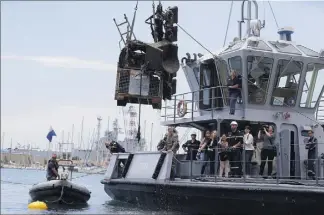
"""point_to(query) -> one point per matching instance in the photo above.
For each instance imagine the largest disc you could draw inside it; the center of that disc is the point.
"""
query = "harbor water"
(15, 184)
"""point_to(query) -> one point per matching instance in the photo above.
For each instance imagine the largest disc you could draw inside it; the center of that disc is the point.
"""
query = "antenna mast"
(98, 145)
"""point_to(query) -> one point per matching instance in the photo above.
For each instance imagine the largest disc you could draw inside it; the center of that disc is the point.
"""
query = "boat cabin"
(280, 85)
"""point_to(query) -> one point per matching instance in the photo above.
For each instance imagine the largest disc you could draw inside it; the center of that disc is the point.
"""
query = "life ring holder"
(182, 108)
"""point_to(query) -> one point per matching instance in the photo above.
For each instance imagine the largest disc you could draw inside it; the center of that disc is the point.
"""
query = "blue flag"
(50, 135)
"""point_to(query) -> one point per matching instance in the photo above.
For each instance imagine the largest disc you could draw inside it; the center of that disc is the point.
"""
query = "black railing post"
(278, 159)
(317, 164)
(192, 105)
(213, 102)
(244, 163)
(175, 108)
(191, 153)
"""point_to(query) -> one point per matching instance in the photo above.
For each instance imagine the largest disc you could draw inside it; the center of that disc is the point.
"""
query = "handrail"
(189, 97)
(317, 179)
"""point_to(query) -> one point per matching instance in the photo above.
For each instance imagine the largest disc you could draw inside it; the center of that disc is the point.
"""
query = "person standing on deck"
(211, 150)
(248, 150)
(202, 154)
(191, 147)
(223, 156)
(311, 145)
(235, 140)
(52, 169)
(170, 143)
(269, 148)
(234, 84)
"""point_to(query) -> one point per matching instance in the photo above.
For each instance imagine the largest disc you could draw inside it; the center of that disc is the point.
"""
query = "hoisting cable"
(273, 14)
(228, 22)
(284, 104)
(195, 39)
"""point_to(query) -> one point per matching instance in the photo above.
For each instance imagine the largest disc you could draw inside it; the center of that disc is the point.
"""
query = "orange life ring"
(182, 108)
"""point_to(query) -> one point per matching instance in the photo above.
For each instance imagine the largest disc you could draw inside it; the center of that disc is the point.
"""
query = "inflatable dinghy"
(60, 191)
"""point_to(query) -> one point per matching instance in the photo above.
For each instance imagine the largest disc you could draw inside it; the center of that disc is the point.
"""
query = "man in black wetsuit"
(191, 147)
(115, 147)
(235, 140)
(311, 145)
(52, 169)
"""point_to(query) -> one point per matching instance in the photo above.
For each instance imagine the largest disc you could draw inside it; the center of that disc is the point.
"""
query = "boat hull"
(59, 191)
(200, 198)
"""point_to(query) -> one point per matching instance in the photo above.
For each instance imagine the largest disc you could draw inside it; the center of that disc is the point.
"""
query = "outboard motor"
(146, 72)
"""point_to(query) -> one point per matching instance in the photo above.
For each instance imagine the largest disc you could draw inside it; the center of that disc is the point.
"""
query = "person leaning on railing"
(311, 145)
(169, 143)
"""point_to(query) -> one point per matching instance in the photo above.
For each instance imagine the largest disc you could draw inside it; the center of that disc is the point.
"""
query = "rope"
(60, 199)
(273, 14)
(228, 22)
(284, 104)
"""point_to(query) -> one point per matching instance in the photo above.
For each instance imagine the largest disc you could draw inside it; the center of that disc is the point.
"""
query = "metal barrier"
(193, 102)
(300, 172)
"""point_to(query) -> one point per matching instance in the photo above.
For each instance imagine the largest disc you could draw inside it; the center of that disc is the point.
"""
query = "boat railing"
(190, 104)
(283, 170)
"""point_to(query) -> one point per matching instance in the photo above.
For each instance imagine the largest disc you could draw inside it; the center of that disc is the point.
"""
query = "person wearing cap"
(191, 147)
(234, 85)
(235, 140)
(52, 169)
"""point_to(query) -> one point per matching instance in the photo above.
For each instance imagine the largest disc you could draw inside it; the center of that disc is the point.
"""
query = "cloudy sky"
(58, 59)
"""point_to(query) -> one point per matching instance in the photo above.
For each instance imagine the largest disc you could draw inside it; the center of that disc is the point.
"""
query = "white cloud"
(64, 62)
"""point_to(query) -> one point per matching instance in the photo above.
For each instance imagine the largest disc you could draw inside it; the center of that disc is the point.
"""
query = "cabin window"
(223, 76)
(234, 47)
(312, 86)
(259, 70)
(235, 63)
(285, 48)
(286, 83)
(206, 78)
(258, 45)
(308, 51)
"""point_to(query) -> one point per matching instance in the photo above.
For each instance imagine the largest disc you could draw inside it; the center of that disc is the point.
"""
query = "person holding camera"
(191, 147)
(202, 154)
(269, 150)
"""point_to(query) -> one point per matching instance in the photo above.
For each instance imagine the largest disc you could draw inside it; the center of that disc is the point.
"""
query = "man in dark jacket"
(235, 139)
(191, 147)
(234, 89)
(52, 169)
(114, 147)
(311, 145)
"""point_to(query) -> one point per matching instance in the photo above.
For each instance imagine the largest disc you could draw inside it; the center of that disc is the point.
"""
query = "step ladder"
(125, 36)
(320, 110)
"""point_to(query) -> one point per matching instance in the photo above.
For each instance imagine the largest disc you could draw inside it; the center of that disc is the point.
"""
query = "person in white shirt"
(248, 149)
